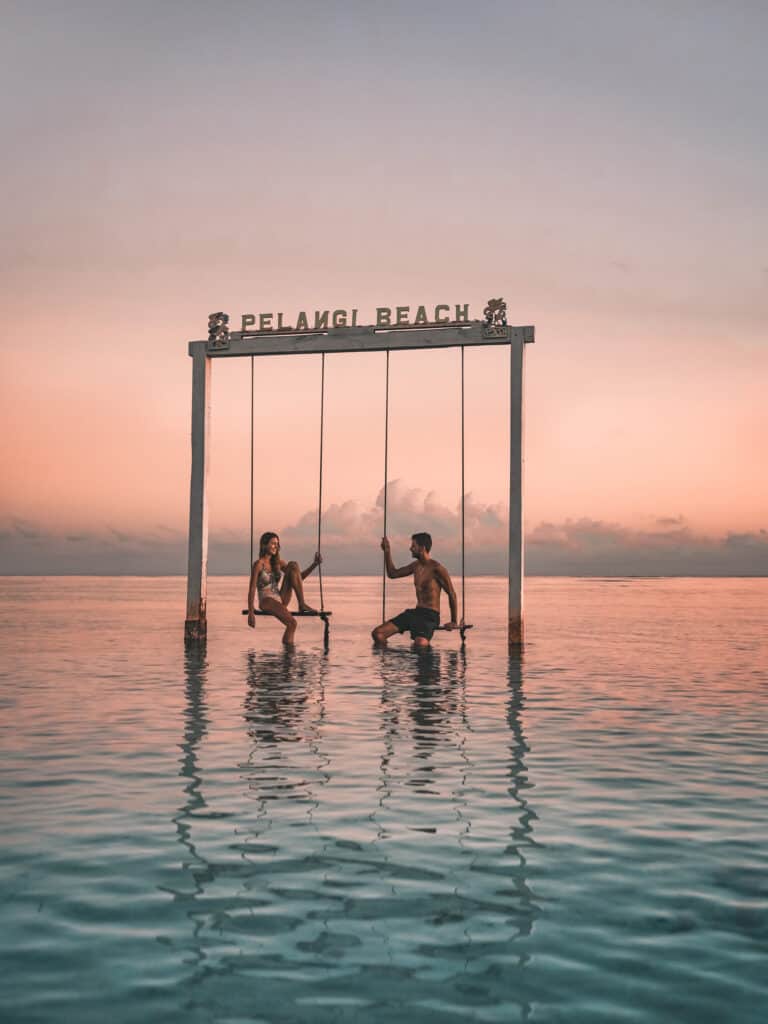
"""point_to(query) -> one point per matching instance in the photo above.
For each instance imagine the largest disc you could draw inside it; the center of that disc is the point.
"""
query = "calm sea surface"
(245, 834)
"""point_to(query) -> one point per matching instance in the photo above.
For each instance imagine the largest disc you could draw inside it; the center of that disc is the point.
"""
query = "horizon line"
(369, 576)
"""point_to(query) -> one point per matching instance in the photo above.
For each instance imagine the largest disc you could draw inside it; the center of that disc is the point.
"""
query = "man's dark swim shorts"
(420, 621)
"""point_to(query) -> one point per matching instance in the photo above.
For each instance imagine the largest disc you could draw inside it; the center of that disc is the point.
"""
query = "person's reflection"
(284, 708)
(422, 697)
(433, 709)
(435, 714)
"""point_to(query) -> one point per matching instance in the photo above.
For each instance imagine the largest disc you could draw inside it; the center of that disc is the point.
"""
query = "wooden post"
(195, 627)
(516, 541)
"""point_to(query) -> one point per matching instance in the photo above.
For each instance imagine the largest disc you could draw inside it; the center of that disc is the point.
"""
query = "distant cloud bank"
(351, 534)
(587, 547)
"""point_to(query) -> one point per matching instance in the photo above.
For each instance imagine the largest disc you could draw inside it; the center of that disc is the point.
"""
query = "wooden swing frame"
(223, 344)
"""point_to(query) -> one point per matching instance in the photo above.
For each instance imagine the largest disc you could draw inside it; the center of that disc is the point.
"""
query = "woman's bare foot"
(305, 609)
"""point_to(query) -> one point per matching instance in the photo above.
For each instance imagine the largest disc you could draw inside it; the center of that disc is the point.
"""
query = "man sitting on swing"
(429, 578)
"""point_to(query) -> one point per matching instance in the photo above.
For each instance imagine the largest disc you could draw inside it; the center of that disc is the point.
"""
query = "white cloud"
(351, 532)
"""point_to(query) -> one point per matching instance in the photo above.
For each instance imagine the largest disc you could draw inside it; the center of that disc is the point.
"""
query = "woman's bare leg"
(278, 609)
(293, 583)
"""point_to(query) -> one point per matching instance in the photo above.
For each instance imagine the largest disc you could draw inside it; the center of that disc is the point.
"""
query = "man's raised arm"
(392, 571)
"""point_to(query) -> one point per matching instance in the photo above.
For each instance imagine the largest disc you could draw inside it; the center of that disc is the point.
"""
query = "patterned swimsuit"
(267, 585)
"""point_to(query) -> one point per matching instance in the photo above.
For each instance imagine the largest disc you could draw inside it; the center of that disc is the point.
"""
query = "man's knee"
(420, 641)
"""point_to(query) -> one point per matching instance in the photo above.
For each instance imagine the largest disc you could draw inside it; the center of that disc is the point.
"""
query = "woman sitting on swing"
(274, 597)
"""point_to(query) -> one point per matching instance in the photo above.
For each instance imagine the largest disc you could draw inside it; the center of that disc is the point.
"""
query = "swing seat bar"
(461, 630)
(325, 616)
(297, 615)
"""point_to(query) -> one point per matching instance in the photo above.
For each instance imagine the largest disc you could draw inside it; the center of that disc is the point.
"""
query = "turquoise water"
(243, 834)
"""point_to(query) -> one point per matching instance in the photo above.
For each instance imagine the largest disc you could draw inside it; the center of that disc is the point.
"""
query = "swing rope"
(463, 616)
(320, 483)
(250, 562)
(386, 470)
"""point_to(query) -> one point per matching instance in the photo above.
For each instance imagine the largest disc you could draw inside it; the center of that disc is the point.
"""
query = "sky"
(600, 165)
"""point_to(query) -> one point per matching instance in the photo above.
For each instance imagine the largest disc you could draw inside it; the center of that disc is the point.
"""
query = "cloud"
(24, 528)
(38, 551)
(351, 532)
(588, 547)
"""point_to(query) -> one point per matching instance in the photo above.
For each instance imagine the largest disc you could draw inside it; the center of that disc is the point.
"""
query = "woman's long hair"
(274, 559)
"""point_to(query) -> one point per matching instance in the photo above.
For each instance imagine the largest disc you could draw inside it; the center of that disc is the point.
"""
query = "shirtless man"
(429, 578)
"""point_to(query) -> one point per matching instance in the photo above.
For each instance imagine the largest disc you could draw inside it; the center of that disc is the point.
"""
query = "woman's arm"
(252, 593)
(313, 565)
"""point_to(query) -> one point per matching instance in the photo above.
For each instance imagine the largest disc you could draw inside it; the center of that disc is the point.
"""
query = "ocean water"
(242, 833)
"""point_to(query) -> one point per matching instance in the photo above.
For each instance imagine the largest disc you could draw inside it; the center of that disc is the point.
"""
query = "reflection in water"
(195, 729)
(303, 889)
(418, 910)
(284, 701)
(521, 833)
(471, 795)
(429, 687)
(284, 707)
(436, 701)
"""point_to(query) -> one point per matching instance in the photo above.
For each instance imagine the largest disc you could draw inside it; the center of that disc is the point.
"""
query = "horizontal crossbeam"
(360, 339)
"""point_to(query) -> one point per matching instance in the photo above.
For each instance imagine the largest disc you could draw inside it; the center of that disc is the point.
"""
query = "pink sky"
(602, 170)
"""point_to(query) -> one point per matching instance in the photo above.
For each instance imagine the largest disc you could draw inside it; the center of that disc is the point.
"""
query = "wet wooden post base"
(196, 623)
(515, 630)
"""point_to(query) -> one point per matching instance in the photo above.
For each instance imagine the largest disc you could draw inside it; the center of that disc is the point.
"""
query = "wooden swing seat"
(296, 615)
(325, 616)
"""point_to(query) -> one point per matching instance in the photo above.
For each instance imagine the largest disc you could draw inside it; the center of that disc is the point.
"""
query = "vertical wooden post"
(515, 630)
(196, 624)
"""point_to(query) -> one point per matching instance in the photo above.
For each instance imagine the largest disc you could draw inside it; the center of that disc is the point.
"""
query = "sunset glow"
(618, 205)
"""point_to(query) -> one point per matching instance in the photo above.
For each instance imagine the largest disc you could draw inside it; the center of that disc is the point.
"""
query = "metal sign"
(253, 324)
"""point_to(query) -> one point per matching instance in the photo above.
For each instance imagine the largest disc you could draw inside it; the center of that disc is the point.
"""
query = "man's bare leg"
(383, 632)
(293, 583)
(421, 642)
